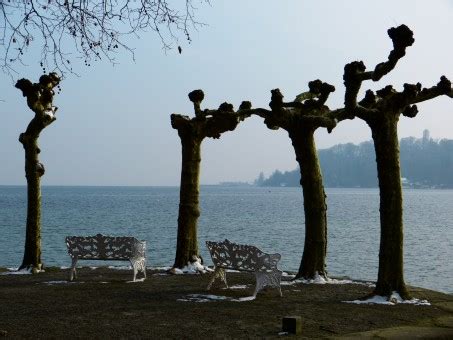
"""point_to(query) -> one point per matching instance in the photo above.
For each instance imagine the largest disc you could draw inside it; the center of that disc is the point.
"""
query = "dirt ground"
(103, 304)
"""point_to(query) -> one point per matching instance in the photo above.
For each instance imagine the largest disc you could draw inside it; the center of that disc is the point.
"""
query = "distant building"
(426, 137)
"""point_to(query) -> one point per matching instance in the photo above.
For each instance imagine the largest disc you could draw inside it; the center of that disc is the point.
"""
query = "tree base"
(311, 276)
(34, 269)
(402, 292)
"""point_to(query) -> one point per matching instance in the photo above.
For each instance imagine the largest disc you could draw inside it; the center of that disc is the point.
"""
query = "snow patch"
(51, 283)
(194, 267)
(210, 298)
(237, 287)
(394, 299)
(290, 276)
(50, 112)
(14, 271)
(137, 280)
(321, 280)
(161, 274)
(120, 267)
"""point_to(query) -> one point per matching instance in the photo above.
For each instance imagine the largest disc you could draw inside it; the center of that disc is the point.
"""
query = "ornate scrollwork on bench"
(100, 247)
(228, 255)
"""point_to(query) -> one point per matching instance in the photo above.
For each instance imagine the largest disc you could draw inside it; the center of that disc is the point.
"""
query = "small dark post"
(292, 324)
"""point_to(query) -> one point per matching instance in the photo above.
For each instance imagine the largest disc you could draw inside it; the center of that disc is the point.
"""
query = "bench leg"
(264, 279)
(218, 273)
(72, 271)
(138, 265)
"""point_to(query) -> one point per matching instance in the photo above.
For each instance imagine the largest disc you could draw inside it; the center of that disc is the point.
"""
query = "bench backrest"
(241, 257)
(100, 247)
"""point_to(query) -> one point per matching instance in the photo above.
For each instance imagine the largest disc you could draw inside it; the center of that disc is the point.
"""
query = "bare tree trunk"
(206, 123)
(33, 172)
(391, 273)
(40, 101)
(315, 247)
(189, 211)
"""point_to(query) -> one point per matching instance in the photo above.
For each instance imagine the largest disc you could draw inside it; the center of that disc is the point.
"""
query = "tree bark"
(189, 210)
(315, 247)
(391, 272)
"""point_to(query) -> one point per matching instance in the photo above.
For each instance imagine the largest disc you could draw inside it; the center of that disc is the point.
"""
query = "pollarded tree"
(91, 29)
(94, 30)
(192, 131)
(40, 101)
(381, 111)
(301, 118)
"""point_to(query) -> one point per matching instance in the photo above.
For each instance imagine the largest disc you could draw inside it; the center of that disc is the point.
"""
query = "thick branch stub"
(352, 82)
(177, 120)
(196, 97)
(226, 107)
(402, 37)
(207, 122)
(444, 85)
(354, 72)
(410, 111)
(276, 99)
(321, 90)
(25, 85)
(40, 96)
(245, 105)
(308, 109)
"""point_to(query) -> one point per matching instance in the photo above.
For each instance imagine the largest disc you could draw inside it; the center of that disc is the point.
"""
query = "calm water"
(271, 218)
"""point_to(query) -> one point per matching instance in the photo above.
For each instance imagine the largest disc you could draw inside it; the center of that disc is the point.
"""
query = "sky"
(113, 122)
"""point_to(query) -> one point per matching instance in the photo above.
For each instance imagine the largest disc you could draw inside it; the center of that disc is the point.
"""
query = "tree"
(192, 131)
(300, 119)
(40, 101)
(95, 30)
(381, 111)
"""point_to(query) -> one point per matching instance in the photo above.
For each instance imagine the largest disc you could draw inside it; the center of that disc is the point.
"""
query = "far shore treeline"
(425, 163)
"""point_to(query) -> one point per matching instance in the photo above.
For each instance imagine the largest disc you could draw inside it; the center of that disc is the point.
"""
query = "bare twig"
(96, 30)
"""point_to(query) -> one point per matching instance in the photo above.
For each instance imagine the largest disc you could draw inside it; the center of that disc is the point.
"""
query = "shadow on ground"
(103, 303)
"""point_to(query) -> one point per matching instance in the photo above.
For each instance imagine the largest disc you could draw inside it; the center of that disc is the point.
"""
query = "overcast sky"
(113, 125)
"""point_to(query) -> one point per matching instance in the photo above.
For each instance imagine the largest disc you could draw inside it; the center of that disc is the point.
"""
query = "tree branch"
(208, 122)
(354, 72)
(443, 87)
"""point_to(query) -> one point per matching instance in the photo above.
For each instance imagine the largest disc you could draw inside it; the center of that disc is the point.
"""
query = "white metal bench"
(100, 247)
(228, 255)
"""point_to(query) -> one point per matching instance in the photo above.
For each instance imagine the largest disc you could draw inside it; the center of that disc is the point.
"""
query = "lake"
(270, 218)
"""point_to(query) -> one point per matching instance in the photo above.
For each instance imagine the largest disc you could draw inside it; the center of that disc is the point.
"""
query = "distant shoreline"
(203, 185)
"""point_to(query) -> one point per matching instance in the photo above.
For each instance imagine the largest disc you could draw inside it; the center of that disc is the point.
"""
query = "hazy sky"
(113, 125)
